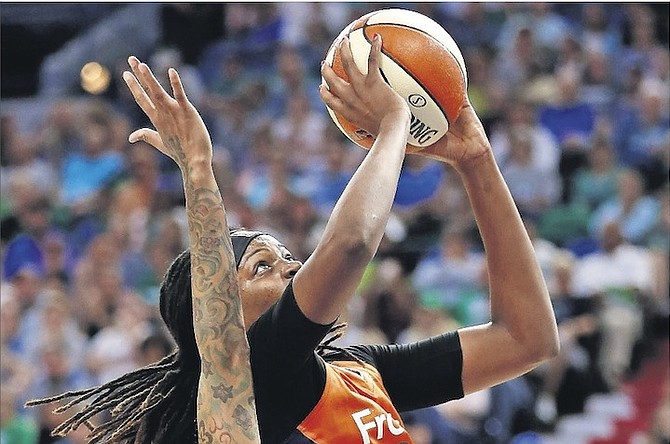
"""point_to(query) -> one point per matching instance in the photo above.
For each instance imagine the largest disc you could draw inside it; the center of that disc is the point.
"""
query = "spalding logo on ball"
(420, 61)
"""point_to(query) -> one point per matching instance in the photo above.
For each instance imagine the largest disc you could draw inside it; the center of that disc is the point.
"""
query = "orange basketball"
(420, 61)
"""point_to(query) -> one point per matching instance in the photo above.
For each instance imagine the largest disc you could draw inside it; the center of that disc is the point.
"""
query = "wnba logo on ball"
(417, 100)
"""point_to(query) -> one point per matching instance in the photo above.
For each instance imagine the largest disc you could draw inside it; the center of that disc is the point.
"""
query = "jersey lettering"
(376, 422)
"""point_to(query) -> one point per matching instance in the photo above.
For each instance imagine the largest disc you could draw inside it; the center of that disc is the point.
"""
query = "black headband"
(241, 240)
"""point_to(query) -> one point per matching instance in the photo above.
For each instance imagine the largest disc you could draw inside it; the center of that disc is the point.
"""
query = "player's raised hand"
(179, 130)
(464, 142)
(362, 99)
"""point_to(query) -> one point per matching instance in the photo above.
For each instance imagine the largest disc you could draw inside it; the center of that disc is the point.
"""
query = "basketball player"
(307, 391)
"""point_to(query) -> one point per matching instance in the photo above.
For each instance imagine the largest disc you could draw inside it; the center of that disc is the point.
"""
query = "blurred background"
(575, 98)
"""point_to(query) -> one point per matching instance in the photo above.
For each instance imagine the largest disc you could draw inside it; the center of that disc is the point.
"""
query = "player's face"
(264, 272)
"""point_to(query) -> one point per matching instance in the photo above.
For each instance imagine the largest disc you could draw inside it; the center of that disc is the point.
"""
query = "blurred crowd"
(574, 97)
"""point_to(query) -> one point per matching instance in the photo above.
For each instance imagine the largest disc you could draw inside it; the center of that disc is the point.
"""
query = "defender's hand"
(180, 132)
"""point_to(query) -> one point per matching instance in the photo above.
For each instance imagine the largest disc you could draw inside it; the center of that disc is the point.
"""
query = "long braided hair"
(156, 403)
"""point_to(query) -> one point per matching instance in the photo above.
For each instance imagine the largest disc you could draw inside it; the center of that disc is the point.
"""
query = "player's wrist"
(197, 170)
(394, 119)
(479, 164)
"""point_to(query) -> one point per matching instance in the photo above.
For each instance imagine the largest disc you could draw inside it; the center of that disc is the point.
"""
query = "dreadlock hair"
(156, 403)
(331, 352)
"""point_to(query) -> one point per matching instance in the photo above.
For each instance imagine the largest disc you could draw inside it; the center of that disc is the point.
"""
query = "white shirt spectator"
(627, 266)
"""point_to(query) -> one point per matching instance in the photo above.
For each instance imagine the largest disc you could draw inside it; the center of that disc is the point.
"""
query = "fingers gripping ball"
(420, 61)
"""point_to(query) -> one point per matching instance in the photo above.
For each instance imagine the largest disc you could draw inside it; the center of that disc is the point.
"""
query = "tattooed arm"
(226, 407)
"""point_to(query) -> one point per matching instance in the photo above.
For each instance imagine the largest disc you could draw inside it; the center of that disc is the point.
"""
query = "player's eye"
(261, 267)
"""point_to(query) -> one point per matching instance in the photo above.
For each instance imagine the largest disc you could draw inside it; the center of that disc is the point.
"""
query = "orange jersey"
(354, 408)
(302, 398)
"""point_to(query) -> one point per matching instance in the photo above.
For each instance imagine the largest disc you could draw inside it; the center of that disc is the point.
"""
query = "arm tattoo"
(226, 409)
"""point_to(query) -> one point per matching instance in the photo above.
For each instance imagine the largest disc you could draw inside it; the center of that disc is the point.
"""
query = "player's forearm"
(363, 209)
(215, 294)
(519, 298)
(354, 230)
(226, 411)
(226, 406)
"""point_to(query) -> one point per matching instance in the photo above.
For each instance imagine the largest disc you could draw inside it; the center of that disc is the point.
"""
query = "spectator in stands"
(86, 173)
(327, 186)
(534, 189)
(389, 301)
(151, 264)
(26, 283)
(647, 145)
(265, 182)
(658, 242)
(59, 133)
(640, 38)
(154, 347)
(136, 198)
(10, 319)
(481, 87)
(570, 56)
(112, 351)
(453, 202)
(57, 263)
(658, 75)
(597, 31)
(251, 180)
(476, 25)
(453, 277)
(570, 120)
(16, 373)
(635, 211)
(620, 275)
(233, 126)
(23, 164)
(29, 232)
(295, 219)
(420, 180)
(290, 79)
(227, 81)
(547, 27)
(56, 373)
(517, 65)
(522, 116)
(15, 428)
(303, 130)
(596, 183)
(659, 235)
(98, 285)
(310, 27)
(598, 88)
(566, 381)
(56, 323)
